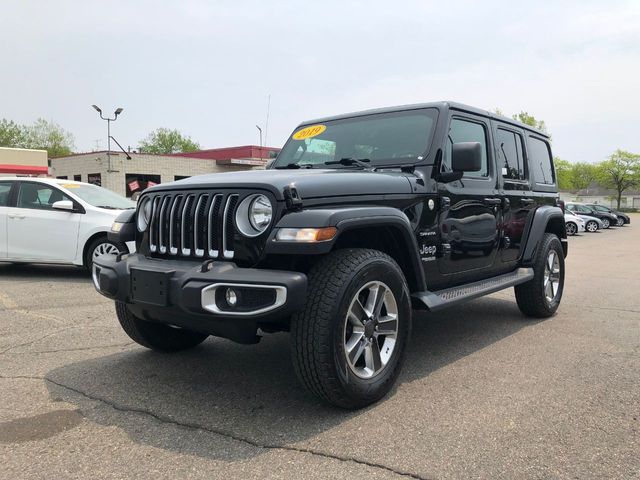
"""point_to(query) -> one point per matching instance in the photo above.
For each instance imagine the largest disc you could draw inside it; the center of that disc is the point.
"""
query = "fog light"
(231, 297)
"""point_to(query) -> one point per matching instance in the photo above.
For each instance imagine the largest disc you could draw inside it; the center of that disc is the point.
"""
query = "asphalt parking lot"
(484, 393)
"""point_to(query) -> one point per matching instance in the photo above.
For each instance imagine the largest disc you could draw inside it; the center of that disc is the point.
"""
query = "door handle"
(493, 201)
(526, 201)
(15, 215)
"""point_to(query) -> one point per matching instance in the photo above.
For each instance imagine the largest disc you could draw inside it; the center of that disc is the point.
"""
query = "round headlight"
(144, 214)
(254, 215)
(260, 213)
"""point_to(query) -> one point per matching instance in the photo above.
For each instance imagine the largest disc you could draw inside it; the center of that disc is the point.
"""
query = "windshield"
(397, 138)
(98, 196)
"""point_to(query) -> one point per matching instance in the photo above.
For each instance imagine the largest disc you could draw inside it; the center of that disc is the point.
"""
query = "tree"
(11, 134)
(527, 119)
(620, 172)
(49, 136)
(165, 141)
(583, 174)
(564, 170)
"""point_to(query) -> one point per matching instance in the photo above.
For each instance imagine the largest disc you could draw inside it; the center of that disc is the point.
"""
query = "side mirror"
(63, 205)
(269, 163)
(466, 157)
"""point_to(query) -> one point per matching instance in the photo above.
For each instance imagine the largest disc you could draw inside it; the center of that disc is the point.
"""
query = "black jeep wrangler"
(361, 219)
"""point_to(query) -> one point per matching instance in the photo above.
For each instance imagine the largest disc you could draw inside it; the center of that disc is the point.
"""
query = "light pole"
(260, 130)
(109, 120)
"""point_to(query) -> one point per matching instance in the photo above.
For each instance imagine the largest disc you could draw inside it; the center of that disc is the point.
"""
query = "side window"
(510, 154)
(39, 196)
(540, 160)
(466, 131)
(5, 189)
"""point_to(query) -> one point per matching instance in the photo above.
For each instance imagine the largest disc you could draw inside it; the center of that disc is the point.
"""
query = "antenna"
(97, 140)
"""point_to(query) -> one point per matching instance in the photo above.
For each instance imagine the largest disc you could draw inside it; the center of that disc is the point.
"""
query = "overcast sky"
(207, 67)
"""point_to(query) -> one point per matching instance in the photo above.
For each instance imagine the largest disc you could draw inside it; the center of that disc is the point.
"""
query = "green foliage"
(582, 175)
(165, 141)
(621, 171)
(11, 134)
(41, 135)
(49, 136)
(563, 173)
(530, 120)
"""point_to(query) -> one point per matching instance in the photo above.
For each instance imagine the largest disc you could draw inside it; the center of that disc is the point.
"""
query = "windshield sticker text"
(309, 132)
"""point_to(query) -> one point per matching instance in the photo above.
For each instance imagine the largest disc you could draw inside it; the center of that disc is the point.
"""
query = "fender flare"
(346, 219)
(537, 227)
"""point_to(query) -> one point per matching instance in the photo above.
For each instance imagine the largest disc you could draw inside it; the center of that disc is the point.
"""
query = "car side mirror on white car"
(63, 205)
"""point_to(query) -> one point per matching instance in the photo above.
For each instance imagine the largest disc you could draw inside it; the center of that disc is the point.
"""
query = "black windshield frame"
(347, 135)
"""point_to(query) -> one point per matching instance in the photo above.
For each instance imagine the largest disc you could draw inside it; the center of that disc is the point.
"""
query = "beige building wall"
(165, 166)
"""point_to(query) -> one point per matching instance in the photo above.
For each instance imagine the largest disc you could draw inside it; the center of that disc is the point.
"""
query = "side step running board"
(452, 296)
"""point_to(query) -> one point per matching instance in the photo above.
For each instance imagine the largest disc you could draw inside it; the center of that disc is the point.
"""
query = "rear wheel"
(156, 336)
(591, 226)
(348, 342)
(606, 223)
(540, 297)
(572, 228)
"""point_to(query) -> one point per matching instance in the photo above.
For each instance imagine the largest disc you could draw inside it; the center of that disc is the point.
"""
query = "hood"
(310, 183)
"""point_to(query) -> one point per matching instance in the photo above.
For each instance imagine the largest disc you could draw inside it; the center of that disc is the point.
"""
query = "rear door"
(468, 220)
(38, 232)
(5, 194)
(513, 173)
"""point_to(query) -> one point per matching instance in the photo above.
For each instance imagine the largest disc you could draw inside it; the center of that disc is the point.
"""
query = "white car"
(573, 223)
(44, 220)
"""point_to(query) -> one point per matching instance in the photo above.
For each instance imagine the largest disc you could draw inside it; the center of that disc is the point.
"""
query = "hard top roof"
(443, 105)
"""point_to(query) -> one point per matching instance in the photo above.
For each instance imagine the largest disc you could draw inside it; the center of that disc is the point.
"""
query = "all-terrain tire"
(317, 331)
(156, 336)
(530, 296)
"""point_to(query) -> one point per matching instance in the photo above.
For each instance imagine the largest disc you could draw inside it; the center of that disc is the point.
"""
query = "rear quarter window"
(540, 161)
(5, 189)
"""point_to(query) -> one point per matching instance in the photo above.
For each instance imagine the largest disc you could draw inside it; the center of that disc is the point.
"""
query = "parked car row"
(589, 217)
(46, 220)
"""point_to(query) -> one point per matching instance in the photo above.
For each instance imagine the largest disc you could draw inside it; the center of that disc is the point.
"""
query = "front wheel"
(101, 246)
(348, 342)
(572, 228)
(156, 336)
(620, 222)
(540, 297)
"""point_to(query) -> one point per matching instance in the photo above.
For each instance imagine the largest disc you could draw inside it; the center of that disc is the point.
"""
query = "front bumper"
(191, 294)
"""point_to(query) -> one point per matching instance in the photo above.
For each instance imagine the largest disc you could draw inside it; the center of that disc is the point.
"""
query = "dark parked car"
(623, 218)
(582, 210)
(361, 218)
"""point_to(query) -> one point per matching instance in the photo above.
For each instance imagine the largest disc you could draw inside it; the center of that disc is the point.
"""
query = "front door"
(38, 232)
(5, 191)
(469, 208)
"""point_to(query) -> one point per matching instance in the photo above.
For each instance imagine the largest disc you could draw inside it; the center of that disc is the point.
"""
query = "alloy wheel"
(552, 276)
(370, 329)
(620, 221)
(571, 229)
(105, 249)
(605, 223)
(592, 226)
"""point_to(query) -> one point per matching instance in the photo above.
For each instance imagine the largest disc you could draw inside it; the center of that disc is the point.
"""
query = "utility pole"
(109, 120)
(260, 130)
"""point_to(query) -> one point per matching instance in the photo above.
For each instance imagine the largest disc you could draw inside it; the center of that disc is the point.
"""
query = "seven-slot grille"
(193, 224)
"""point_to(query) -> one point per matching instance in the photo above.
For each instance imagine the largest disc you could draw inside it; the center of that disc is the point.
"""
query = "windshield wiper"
(291, 166)
(348, 161)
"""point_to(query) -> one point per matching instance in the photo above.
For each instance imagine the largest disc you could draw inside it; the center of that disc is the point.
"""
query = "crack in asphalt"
(79, 349)
(194, 426)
